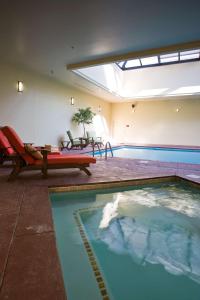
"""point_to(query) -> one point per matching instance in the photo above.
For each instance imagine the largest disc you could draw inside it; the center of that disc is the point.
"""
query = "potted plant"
(83, 116)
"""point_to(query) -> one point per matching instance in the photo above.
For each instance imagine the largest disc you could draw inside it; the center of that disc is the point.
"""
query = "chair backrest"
(70, 135)
(91, 134)
(17, 144)
(5, 146)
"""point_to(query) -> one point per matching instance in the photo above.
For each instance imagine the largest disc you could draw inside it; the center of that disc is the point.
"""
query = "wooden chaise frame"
(20, 166)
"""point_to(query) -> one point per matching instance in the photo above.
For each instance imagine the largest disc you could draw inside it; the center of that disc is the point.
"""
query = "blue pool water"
(139, 243)
(161, 154)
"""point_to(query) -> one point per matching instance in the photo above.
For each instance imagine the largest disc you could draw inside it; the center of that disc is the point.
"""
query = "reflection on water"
(158, 226)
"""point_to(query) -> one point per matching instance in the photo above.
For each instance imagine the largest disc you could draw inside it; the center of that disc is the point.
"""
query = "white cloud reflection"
(156, 229)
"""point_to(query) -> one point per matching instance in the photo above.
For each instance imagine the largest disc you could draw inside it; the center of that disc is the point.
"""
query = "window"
(133, 63)
(188, 55)
(169, 58)
(147, 61)
(160, 60)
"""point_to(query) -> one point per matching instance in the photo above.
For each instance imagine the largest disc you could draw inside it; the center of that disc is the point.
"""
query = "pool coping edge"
(122, 183)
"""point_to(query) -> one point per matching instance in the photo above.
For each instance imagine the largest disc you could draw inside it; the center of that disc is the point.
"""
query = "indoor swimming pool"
(155, 153)
(129, 243)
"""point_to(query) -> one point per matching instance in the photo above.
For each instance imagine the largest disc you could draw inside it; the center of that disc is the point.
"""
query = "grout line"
(21, 195)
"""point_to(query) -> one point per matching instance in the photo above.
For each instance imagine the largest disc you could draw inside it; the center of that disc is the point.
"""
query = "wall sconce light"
(72, 100)
(177, 109)
(20, 86)
(133, 107)
(99, 109)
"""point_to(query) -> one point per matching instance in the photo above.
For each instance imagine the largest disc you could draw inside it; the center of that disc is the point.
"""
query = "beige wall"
(42, 113)
(157, 122)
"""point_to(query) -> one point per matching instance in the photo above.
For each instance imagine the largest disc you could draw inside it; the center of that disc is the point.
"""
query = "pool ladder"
(107, 147)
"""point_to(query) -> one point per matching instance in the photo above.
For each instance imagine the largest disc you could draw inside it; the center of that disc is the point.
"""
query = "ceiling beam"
(134, 54)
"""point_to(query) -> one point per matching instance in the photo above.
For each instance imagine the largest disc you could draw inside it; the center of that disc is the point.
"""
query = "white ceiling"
(47, 35)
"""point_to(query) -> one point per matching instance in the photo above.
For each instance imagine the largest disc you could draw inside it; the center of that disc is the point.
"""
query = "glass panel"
(190, 51)
(185, 55)
(153, 60)
(166, 58)
(133, 63)
(120, 64)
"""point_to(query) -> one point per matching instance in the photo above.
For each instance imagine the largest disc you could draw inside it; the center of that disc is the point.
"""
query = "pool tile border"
(92, 259)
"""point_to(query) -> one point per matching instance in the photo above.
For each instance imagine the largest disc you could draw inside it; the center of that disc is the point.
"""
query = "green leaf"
(83, 116)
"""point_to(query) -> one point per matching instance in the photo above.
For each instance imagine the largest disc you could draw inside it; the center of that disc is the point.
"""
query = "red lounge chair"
(25, 161)
(7, 152)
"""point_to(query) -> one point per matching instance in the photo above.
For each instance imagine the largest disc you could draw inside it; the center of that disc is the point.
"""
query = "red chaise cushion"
(5, 145)
(17, 144)
(68, 159)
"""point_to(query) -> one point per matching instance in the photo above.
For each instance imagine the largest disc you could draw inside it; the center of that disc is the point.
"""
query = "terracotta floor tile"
(10, 197)
(35, 214)
(7, 227)
(33, 270)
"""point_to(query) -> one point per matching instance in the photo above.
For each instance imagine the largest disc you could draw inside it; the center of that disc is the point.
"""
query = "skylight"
(133, 63)
(169, 58)
(160, 60)
(149, 60)
(189, 55)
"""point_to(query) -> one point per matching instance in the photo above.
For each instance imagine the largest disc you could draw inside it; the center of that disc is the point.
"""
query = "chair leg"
(84, 169)
(44, 172)
(16, 170)
(69, 146)
(45, 164)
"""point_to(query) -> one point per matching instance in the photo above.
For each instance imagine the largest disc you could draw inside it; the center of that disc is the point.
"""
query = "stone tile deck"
(29, 264)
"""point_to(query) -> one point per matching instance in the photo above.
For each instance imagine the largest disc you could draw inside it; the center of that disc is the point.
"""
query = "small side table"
(84, 141)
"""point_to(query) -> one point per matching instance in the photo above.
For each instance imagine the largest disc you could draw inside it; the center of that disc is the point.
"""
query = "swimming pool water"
(146, 242)
(161, 154)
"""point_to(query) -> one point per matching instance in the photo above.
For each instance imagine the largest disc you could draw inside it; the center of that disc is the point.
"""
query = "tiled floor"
(29, 265)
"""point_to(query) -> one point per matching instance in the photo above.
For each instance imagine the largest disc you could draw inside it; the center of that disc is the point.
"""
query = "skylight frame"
(159, 57)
